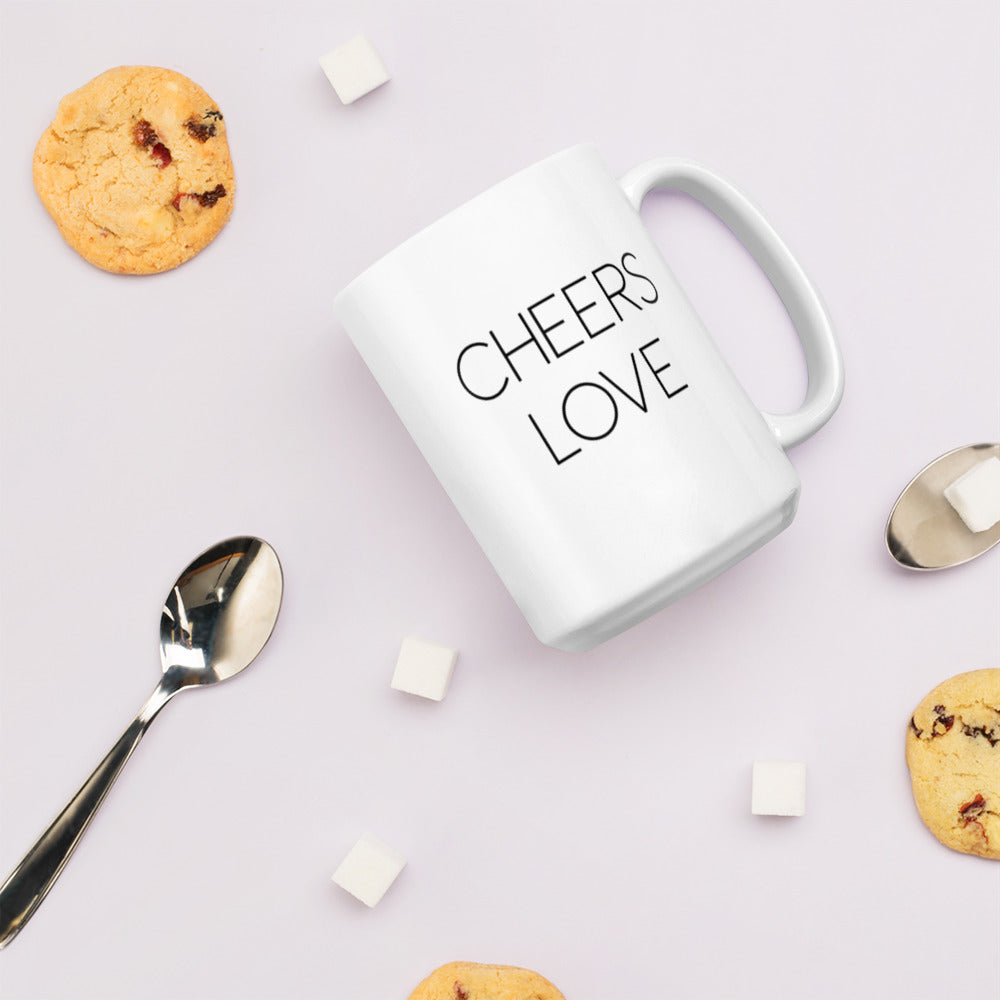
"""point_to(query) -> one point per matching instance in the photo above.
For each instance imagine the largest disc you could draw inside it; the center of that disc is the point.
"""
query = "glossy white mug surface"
(576, 410)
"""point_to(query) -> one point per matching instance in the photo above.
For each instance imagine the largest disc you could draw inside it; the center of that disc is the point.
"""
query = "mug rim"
(400, 248)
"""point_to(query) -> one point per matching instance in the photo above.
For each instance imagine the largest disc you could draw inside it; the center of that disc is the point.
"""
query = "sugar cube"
(369, 869)
(354, 69)
(976, 495)
(424, 668)
(779, 788)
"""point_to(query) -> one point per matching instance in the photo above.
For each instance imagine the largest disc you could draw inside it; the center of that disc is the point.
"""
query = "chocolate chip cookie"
(953, 752)
(135, 170)
(473, 981)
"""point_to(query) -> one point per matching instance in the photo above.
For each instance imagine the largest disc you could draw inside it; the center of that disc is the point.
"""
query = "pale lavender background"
(584, 815)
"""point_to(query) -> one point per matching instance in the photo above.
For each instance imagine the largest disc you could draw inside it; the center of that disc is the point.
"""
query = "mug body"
(572, 404)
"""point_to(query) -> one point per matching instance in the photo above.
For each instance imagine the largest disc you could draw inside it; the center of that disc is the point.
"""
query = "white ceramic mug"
(570, 401)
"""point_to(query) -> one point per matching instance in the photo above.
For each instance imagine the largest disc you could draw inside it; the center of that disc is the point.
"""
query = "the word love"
(589, 411)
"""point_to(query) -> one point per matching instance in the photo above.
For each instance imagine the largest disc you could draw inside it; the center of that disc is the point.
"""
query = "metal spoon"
(924, 530)
(215, 621)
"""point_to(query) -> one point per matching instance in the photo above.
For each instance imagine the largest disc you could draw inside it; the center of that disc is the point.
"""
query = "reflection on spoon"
(924, 530)
(215, 621)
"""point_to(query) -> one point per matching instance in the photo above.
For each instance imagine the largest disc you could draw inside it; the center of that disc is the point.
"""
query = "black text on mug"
(588, 410)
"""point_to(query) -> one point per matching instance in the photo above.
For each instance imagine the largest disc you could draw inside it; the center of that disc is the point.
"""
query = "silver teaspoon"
(216, 619)
(924, 530)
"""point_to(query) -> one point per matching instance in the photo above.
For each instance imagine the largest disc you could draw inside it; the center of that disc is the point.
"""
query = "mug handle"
(824, 365)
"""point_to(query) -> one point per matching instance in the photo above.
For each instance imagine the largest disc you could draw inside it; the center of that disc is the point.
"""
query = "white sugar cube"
(369, 869)
(354, 69)
(779, 788)
(976, 495)
(424, 668)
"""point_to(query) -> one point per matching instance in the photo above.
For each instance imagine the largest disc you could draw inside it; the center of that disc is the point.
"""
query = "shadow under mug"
(572, 404)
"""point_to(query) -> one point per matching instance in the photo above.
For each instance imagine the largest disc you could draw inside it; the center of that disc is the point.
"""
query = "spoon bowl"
(221, 611)
(924, 531)
(216, 619)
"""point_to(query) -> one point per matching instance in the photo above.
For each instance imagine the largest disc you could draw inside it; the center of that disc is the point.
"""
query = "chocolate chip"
(204, 198)
(942, 723)
(200, 131)
(208, 198)
(990, 735)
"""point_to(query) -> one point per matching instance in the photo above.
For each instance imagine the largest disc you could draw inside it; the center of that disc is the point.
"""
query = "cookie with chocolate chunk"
(473, 981)
(135, 170)
(953, 752)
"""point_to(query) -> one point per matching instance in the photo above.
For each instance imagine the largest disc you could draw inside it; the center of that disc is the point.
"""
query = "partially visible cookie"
(135, 170)
(953, 752)
(473, 981)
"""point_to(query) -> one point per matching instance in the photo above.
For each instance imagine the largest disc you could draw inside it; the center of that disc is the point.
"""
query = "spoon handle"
(31, 880)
